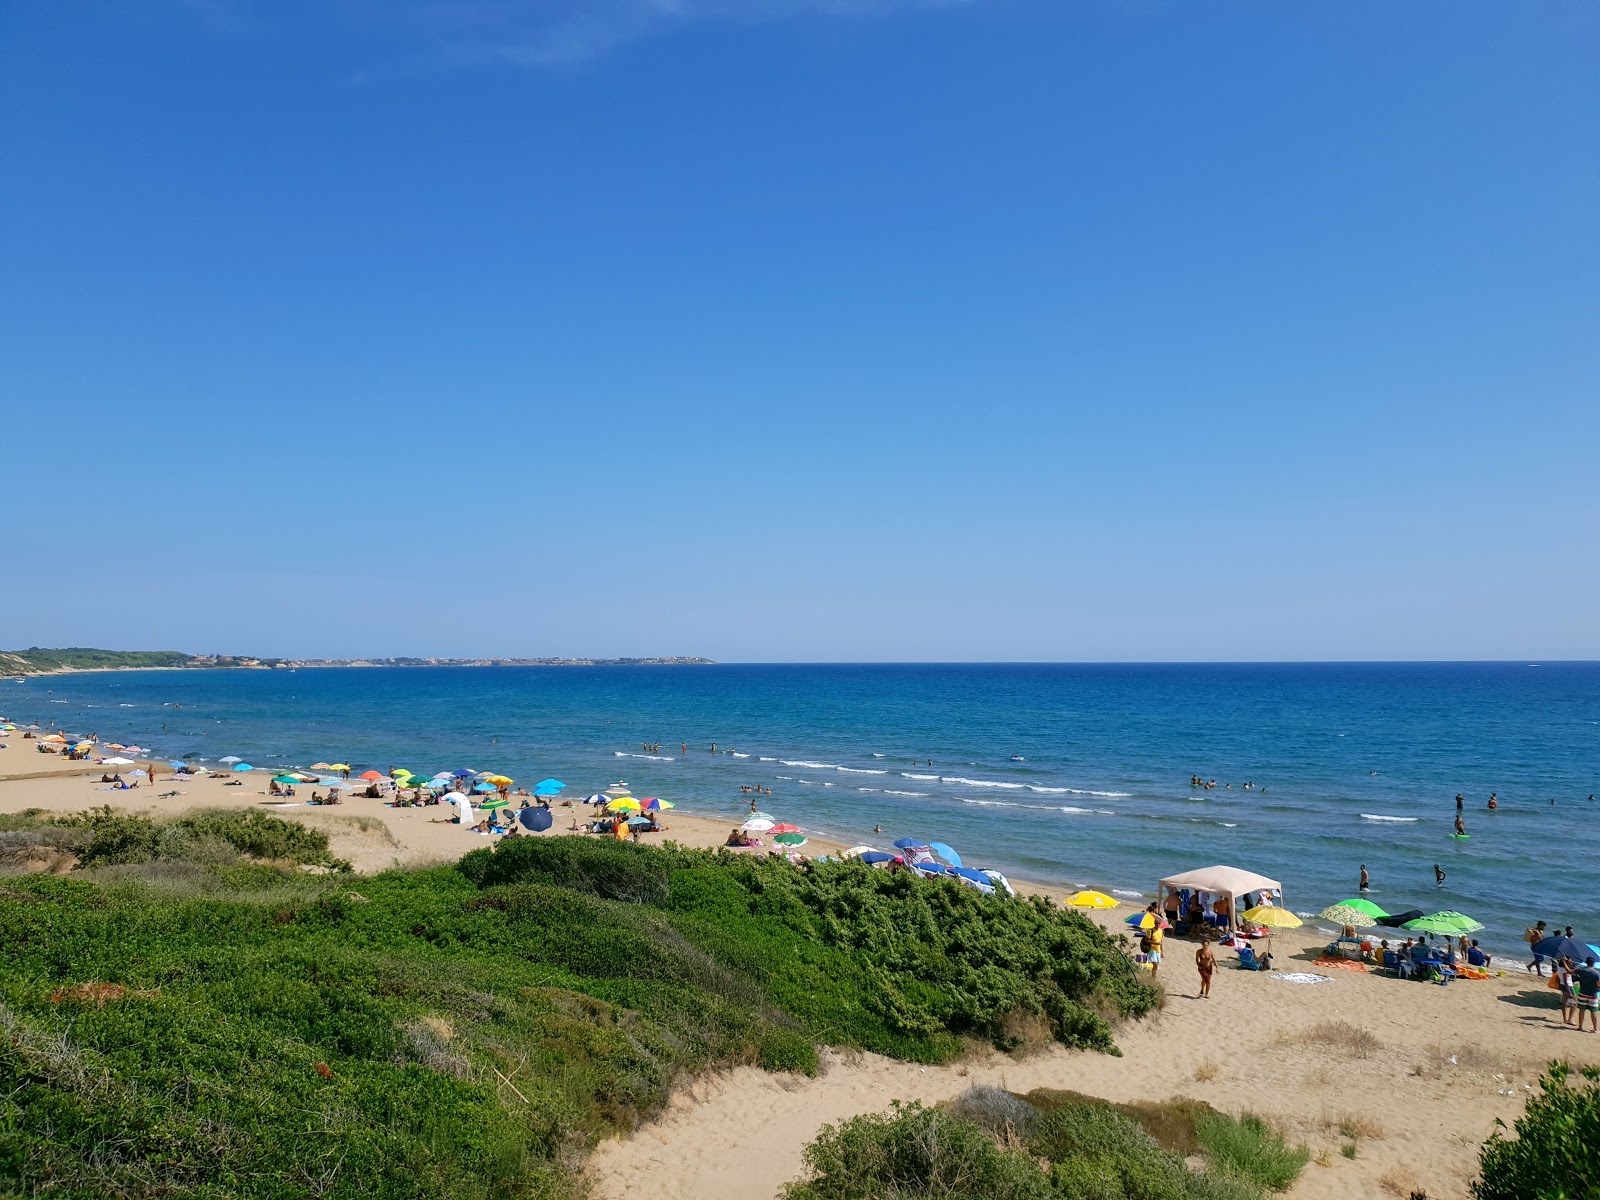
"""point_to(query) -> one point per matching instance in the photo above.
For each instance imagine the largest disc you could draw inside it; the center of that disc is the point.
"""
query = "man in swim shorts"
(1586, 982)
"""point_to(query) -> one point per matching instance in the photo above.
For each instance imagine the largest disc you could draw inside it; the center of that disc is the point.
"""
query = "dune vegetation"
(215, 1006)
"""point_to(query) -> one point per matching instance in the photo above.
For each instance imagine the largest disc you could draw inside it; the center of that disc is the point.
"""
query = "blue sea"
(1057, 773)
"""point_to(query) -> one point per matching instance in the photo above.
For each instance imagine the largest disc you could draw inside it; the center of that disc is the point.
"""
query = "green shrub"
(116, 838)
(1556, 1154)
(912, 1153)
(1249, 1148)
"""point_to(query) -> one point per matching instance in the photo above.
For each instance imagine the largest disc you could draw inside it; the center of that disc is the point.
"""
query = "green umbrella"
(493, 802)
(790, 839)
(1361, 905)
(1447, 922)
(1345, 914)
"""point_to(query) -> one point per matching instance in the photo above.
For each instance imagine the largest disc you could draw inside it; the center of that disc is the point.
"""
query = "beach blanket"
(1342, 964)
(1299, 977)
(1471, 973)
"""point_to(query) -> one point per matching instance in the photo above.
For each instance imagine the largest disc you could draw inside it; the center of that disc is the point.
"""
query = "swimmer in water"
(1494, 802)
(1438, 875)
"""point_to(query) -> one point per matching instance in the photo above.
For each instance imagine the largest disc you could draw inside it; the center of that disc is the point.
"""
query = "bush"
(1556, 1155)
(1247, 1147)
(220, 837)
(914, 1152)
(1003, 1114)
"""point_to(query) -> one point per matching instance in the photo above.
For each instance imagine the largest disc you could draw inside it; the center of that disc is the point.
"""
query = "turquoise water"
(1353, 763)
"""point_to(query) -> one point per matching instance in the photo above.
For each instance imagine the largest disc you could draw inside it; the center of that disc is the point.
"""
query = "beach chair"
(1247, 959)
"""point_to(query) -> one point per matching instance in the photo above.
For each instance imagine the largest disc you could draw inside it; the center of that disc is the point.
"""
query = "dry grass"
(1399, 1181)
(1342, 1036)
(1353, 1126)
(1469, 1056)
(1205, 1072)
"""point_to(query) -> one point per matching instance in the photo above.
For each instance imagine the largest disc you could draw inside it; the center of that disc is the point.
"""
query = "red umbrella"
(784, 829)
(371, 776)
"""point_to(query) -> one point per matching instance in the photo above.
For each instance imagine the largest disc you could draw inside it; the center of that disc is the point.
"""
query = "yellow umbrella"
(1273, 916)
(500, 780)
(338, 767)
(1091, 900)
(623, 804)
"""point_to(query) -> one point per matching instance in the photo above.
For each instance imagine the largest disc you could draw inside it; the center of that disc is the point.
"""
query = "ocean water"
(1353, 763)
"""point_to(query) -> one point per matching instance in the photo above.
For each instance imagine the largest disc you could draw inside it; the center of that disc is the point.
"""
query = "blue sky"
(797, 329)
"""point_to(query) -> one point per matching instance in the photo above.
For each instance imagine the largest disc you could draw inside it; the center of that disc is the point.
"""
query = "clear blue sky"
(802, 329)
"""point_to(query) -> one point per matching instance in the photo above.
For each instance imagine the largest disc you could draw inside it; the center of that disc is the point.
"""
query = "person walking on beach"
(1533, 935)
(1205, 962)
(1366, 883)
(1561, 971)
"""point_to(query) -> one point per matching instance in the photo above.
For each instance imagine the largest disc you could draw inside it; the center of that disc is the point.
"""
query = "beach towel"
(1299, 977)
(1342, 964)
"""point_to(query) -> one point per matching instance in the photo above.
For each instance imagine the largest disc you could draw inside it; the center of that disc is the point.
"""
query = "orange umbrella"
(371, 776)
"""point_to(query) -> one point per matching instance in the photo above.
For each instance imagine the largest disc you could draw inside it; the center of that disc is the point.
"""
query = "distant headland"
(38, 660)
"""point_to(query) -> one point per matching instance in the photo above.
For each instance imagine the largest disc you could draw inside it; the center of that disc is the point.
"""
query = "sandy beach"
(1419, 1094)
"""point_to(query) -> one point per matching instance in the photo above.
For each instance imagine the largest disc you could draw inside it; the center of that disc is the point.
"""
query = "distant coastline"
(38, 660)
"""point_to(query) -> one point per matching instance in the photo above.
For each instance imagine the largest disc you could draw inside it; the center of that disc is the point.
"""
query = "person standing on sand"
(1205, 962)
(1154, 940)
(1586, 982)
(1533, 935)
(1365, 881)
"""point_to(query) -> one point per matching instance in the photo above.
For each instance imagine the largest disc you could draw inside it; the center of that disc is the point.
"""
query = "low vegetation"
(192, 1012)
(1556, 1153)
(1047, 1146)
(39, 660)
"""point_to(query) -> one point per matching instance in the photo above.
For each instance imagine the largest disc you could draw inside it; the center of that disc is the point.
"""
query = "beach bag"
(1144, 944)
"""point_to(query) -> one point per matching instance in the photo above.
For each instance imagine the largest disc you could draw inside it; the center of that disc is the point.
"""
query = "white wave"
(859, 771)
(1396, 820)
(814, 766)
(860, 789)
(736, 754)
(764, 758)
(1052, 791)
(909, 775)
(891, 792)
(1229, 824)
(980, 782)
(877, 756)
(651, 757)
(127, 706)
(785, 778)
(1126, 892)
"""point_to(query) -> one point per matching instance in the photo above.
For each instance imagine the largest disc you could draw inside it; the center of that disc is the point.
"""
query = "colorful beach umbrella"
(1091, 900)
(655, 803)
(288, 779)
(597, 798)
(623, 804)
(321, 766)
(790, 839)
(1343, 914)
(1447, 922)
(1143, 920)
(756, 825)
(1362, 904)
(494, 802)
(1273, 917)
(786, 829)
(762, 816)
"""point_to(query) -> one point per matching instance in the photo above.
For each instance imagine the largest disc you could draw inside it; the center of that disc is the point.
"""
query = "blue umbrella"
(544, 790)
(1561, 946)
(178, 766)
(243, 767)
(873, 857)
(635, 822)
(550, 783)
(462, 774)
(536, 819)
(928, 868)
(944, 852)
(977, 878)
(911, 844)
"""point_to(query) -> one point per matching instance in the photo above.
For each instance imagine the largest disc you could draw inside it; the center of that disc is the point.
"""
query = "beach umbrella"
(1143, 920)
(463, 774)
(446, 776)
(1447, 922)
(321, 766)
(1362, 904)
(371, 776)
(243, 766)
(399, 773)
(1344, 914)
(289, 779)
(140, 773)
(946, 853)
(855, 851)
(756, 826)
(117, 761)
(178, 766)
(1561, 946)
(656, 803)
(1273, 917)
(790, 839)
(638, 822)
(911, 844)
(142, 750)
(762, 816)
(540, 789)
(931, 868)
(493, 802)
(500, 780)
(484, 787)
(550, 783)
(878, 857)
(597, 798)
(974, 878)
(454, 797)
(109, 745)
(229, 759)
(535, 819)
(1091, 900)
(786, 829)
(623, 804)
(338, 766)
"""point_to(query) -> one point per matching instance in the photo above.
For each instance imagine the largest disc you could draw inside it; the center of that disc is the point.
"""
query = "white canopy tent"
(1221, 881)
